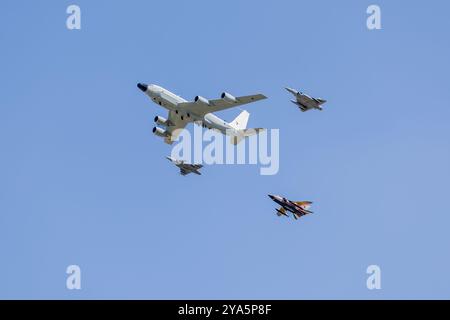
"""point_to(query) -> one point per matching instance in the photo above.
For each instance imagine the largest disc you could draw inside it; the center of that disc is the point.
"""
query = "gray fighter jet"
(305, 102)
(185, 168)
(298, 208)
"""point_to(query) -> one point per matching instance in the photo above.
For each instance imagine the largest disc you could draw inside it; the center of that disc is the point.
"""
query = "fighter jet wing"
(304, 101)
(176, 126)
(300, 213)
(281, 211)
(320, 100)
(184, 172)
(219, 104)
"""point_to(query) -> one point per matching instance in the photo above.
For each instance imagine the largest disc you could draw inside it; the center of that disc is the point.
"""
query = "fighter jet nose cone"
(142, 86)
(290, 90)
(271, 196)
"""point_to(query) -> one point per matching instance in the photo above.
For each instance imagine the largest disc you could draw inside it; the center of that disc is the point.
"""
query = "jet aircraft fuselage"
(171, 102)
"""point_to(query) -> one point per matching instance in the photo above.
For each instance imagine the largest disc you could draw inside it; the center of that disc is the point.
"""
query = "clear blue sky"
(84, 181)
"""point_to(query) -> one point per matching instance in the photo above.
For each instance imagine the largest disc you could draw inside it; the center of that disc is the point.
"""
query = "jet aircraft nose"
(291, 90)
(275, 197)
(142, 86)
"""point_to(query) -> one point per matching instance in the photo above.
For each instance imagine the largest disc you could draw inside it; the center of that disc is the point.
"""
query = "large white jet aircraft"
(199, 111)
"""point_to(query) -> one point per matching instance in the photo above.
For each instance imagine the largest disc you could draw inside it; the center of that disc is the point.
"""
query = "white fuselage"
(171, 102)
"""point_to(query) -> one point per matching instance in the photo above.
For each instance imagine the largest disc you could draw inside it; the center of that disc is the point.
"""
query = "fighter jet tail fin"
(240, 122)
(305, 205)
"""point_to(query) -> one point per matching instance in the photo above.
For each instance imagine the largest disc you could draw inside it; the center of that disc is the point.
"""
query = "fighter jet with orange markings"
(297, 208)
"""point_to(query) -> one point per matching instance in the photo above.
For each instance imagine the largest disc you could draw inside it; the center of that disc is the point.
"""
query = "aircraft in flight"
(185, 168)
(305, 102)
(297, 208)
(199, 111)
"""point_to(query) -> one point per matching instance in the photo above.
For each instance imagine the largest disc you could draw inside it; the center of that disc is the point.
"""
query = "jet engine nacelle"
(201, 100)
(161, 121)
(228, 97)
(160, 132)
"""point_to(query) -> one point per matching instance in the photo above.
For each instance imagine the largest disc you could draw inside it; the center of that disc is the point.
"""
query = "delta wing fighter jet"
(185, 168)
(305, 102)
(199, 111)
(297, 208)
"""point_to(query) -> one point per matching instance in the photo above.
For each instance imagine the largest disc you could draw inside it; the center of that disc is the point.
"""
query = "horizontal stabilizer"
(235, 139)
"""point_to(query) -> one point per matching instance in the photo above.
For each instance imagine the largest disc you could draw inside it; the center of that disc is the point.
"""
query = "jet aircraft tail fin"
(240, 122)
(305, 205)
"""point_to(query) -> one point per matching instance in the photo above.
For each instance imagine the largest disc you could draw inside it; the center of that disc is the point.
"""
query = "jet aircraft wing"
(304, 100)
(215, 105)
(184, 172)
(320, 100)
(175, 128)
(282, 211)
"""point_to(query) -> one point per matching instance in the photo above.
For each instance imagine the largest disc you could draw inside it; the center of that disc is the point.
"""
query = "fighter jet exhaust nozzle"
(160, 132)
